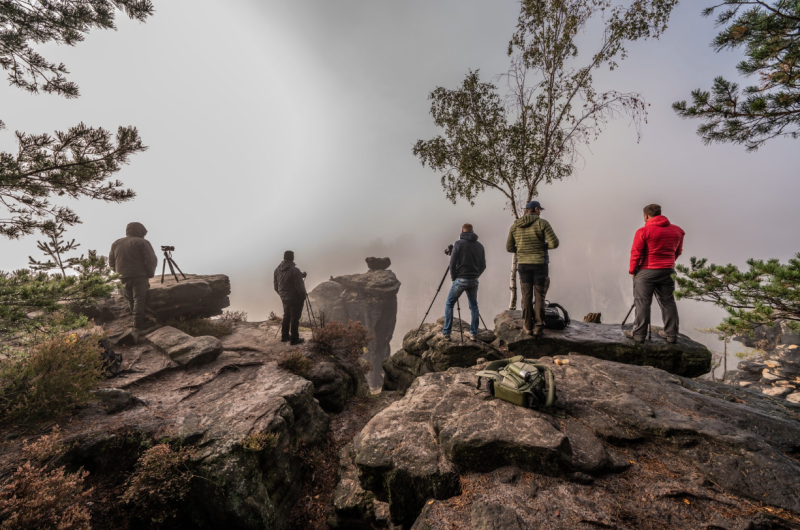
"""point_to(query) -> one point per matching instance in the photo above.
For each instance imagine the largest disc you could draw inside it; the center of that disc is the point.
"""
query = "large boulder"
(184, 349)
(194, 296)
(214, 409)
(628, 446)
(334, 385)
(425, 351)
(370, 298)
(604, 341)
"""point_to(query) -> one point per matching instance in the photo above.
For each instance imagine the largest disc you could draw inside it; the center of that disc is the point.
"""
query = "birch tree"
(531, 134)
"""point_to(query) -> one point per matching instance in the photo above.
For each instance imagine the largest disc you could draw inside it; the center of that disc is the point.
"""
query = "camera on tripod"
(167, 249)
(171, 262)
(449, 250)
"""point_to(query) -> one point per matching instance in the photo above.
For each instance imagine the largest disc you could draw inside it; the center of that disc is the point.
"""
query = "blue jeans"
(459, 286)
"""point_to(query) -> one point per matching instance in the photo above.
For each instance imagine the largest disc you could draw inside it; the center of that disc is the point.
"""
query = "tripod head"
(448, 250)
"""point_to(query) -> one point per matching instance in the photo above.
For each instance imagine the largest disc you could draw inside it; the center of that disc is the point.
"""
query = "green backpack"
(520, 381)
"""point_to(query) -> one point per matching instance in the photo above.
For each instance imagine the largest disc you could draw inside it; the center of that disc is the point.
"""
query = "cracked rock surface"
(636, 447)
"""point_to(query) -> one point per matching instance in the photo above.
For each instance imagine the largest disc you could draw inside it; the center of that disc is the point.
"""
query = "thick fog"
(289, 125)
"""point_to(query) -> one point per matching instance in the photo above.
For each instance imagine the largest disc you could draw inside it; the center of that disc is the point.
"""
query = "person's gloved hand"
(304, 275)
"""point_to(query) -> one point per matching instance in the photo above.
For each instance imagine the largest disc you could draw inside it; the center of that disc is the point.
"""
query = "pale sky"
(289, 125)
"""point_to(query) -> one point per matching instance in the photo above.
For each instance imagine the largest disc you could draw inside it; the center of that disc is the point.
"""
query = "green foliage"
(769, 32)
(297, 364)
(51, 378)
(530, 136)
(159, 484)
(260, 441)
(78, 162)
(54, 250)
(345, 341)
(234, 316)
(766, 293)
(38, 301)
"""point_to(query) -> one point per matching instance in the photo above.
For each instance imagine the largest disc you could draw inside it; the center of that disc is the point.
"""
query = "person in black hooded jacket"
(289, 285)
(467, 263)
(133, 258)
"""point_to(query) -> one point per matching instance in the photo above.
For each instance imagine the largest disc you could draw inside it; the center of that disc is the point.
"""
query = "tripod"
(168, 259)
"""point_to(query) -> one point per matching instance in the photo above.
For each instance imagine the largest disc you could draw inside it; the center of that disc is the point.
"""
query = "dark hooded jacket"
(288, 281)
(133, 255)
(468, 259)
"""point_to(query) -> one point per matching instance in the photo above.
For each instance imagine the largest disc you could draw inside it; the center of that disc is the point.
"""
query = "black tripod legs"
(460, 322)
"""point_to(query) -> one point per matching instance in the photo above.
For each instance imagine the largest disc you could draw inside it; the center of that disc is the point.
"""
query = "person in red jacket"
(656, 246)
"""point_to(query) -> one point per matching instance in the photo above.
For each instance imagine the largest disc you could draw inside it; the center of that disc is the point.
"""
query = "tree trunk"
(512, 304)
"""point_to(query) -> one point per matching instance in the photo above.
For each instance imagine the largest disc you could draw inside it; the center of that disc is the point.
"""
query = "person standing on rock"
(467, 263)
(656, 246)
(290, 287)
(133, 258)
(531, 237)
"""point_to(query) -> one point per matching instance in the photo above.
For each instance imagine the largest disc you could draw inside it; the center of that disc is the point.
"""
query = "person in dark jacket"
(467, 263)
(291, 288)
(655, 248)
(530, 237)
(133, 258)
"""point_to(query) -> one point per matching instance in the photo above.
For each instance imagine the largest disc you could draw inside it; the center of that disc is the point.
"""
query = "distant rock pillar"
(371, 298)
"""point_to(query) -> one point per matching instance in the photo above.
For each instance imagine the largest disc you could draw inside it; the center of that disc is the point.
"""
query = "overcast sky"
(276, 125)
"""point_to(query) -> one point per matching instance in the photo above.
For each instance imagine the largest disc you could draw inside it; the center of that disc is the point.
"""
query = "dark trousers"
(535, 281)
(292, 311)
(135, 292)
(646, 283)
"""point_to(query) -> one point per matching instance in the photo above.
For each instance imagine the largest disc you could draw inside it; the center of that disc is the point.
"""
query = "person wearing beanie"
(288, 282)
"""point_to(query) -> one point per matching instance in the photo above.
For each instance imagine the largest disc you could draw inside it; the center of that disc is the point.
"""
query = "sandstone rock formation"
(775, 372)
(426, 352)
(630, 447)
(184, 349)
(370, 298)
(604, 341)
(378, 264)
(195, 296)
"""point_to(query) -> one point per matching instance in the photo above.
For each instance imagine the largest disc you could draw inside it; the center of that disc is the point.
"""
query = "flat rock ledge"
(184, 349)
(604, 341)
(632, 447)
(426, 352)
(194, 296)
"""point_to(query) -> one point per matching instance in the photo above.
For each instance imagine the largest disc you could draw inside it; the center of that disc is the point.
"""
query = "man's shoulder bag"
(552, 318)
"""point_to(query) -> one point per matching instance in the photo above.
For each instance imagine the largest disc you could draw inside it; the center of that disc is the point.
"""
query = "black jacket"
(468, 259)
(288, 281)
(133, 255)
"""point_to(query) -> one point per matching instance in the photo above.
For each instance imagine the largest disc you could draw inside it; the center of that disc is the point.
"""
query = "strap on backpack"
(564, 311)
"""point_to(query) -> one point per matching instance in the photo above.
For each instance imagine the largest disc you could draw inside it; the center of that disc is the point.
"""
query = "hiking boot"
(285, 339)
(446, 338)
(470, 336)
(527, 331)
(663, 335)
(295, 342)
(629, 335)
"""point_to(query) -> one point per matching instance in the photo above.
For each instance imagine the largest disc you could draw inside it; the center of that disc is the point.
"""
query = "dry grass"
(160, 482)
(50, 378)
(260, 441)
(296, 363)
(346, 341)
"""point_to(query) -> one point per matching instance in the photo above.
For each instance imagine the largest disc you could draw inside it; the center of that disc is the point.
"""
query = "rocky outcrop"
(378, 264)
(629, 447)
(334, 385)
(184, 349)
(194, 296)
(604, 341)
(426, 352)
(213, 408)
(776, 371)
(370, 298)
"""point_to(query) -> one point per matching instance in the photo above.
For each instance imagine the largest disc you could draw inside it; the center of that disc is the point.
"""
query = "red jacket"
(656, 245)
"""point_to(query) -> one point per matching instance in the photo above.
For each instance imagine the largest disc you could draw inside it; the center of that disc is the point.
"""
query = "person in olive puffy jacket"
(655, 248)
(133, 258)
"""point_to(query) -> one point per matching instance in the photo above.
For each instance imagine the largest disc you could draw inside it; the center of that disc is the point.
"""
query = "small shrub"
(275, 318)
(234, 316)
(201, 327)
(161, 481)
(52, 377)
(260, 441)
(296, 363)
(45, 500)
(347, 342)
(46, 448)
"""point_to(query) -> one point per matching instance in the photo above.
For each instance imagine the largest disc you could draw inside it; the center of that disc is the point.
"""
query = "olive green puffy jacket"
(525, 238)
